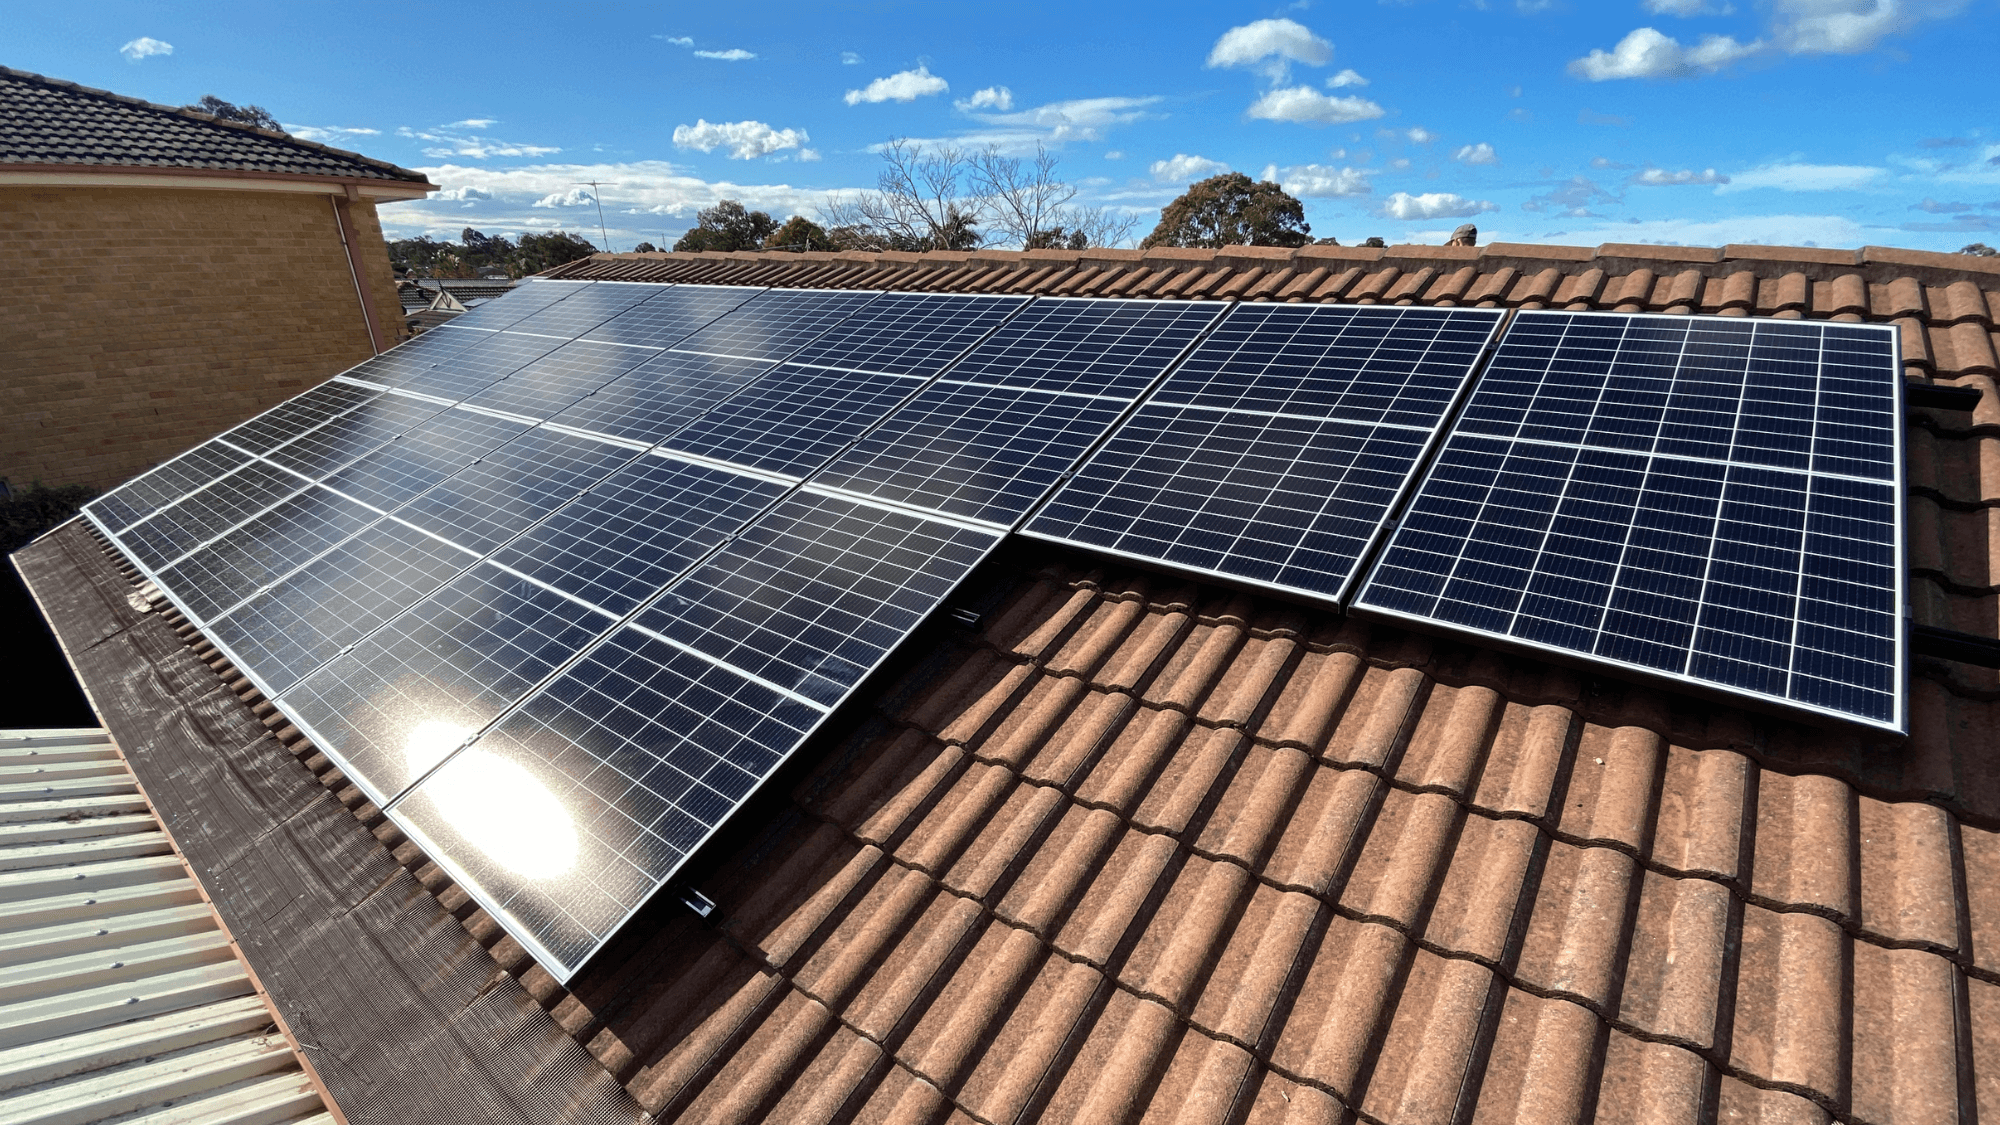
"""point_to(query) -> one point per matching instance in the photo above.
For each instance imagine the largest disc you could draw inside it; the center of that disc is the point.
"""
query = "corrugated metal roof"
(120, 995)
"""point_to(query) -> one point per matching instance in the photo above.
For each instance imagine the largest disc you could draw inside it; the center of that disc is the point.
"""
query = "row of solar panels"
(561, 583)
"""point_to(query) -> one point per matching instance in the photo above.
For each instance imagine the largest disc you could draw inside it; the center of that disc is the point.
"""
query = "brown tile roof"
(48, 121)
(1146, 850)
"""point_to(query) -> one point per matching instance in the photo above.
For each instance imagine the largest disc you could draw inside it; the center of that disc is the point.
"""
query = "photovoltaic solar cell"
(1275, 453)
(295, 416)
(180, 527)
(238, 564)
(155, 489)
(1711, 500)
(583, 311)
(545, 387)
(517, 304)
(661, 395)
(794, 419)
(1101, 346)
(324, 451)
(909, 333)
(418, 459)
(395, 706)
(669, 317)
(470, 370)
(417, 359)
(510, 488)
(776, 322)
(622, 541)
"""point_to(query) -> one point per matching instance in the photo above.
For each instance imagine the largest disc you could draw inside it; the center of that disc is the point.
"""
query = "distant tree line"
(475, 252)
(241, 114)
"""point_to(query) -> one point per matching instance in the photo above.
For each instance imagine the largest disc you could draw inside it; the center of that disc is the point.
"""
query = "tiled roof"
(1145, 850)
(47, 121)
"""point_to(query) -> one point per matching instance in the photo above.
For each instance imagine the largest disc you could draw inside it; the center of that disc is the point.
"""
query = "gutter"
(220, 179)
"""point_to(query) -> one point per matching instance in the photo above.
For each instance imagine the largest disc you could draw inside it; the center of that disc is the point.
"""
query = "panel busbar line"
(1716, 502)
(1276, 452)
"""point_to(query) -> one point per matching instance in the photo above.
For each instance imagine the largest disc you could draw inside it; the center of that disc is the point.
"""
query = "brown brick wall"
(135, 322)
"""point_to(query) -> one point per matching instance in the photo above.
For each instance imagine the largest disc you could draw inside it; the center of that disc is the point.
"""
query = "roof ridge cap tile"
(400, 172)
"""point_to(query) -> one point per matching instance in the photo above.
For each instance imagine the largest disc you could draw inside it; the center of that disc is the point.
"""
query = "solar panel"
(666, 318)
(180, 527)
(776, 323)
(239, 563)
(660, 396)
(418, 459)
(1715, 501)
(470, 370)
(616, 769)
(1275, 453)
(503, 492)
(794, 419)
(156, 488)
(1104, 346)
(522, 301)
(545, 387)
(326, 450)
(295, 416)
(909, 333)
(583, 311)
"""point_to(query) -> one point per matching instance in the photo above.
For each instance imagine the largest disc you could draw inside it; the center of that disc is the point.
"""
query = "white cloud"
(462, 195)
(145, 47)
(1346, 78)
(1646, 53)
(1115, 154)
(1307, 105)
(1660, 177)
(808, 155)
(1685, 8)
(1182, 169)
(1420, 135)
(1769, 230)
(992, 97)
(328, 134)
(733, 54)
(574, 197)
(1432, 205)
(850, 58)
(443, 143)
(1081, 119)
(1319, 181)
(1804, 177)
(1481, 153)
(676, 40)
(1271, 46)
(903, 86)
(1846, 27)
(745, 140)
(473, 123)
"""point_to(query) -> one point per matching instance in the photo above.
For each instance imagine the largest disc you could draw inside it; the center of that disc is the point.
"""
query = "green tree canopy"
(1981, 250)
(728, 226)
(540, 252)
(424, 256)
(1232, 210)
(241, 114)
(799, 234)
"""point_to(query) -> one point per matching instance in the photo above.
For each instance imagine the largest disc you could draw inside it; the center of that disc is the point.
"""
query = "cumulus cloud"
(473, 123)
(1420, 135)
(1432, 205)
(462, 195)
(1660, 177)
(1308, 106)
(145, 47)
(442, 142)
(808, 155)
(1647, 53)
(1271, 46)
(328, 134)
(1346, 78)
(1319, 181)
(574, 197)
(1805, 177)
(992, 97)
(1182, 169)
(745, 140)
(733, 54)
(1847, 27)
(902, 86)
(1481, 153)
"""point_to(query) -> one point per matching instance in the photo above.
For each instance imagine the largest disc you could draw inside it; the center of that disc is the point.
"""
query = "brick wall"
(135, 322)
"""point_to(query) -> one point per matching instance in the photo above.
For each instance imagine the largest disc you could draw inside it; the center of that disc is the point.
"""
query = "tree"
(1231, 210)
(1027, 204)
(241, 114)
(485, 250)
(540, 252)
(645, 248)
(920, 202)
(798, 235)
(1374, 243)
(1981, 250)
(727, 226)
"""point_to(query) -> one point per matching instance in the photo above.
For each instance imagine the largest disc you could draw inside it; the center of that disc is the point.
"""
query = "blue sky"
(1798, 122)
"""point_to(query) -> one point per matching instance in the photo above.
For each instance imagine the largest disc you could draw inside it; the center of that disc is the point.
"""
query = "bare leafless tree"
(938, 197)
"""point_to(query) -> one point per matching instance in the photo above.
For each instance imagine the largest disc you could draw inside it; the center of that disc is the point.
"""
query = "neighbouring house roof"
(120, 994)
(45, 121)
(1135, 848)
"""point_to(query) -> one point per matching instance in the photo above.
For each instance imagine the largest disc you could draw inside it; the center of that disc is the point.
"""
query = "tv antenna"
(597, 198)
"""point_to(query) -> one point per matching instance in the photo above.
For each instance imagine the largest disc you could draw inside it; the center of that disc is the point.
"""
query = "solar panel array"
(559, 584)
(1713, 500)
